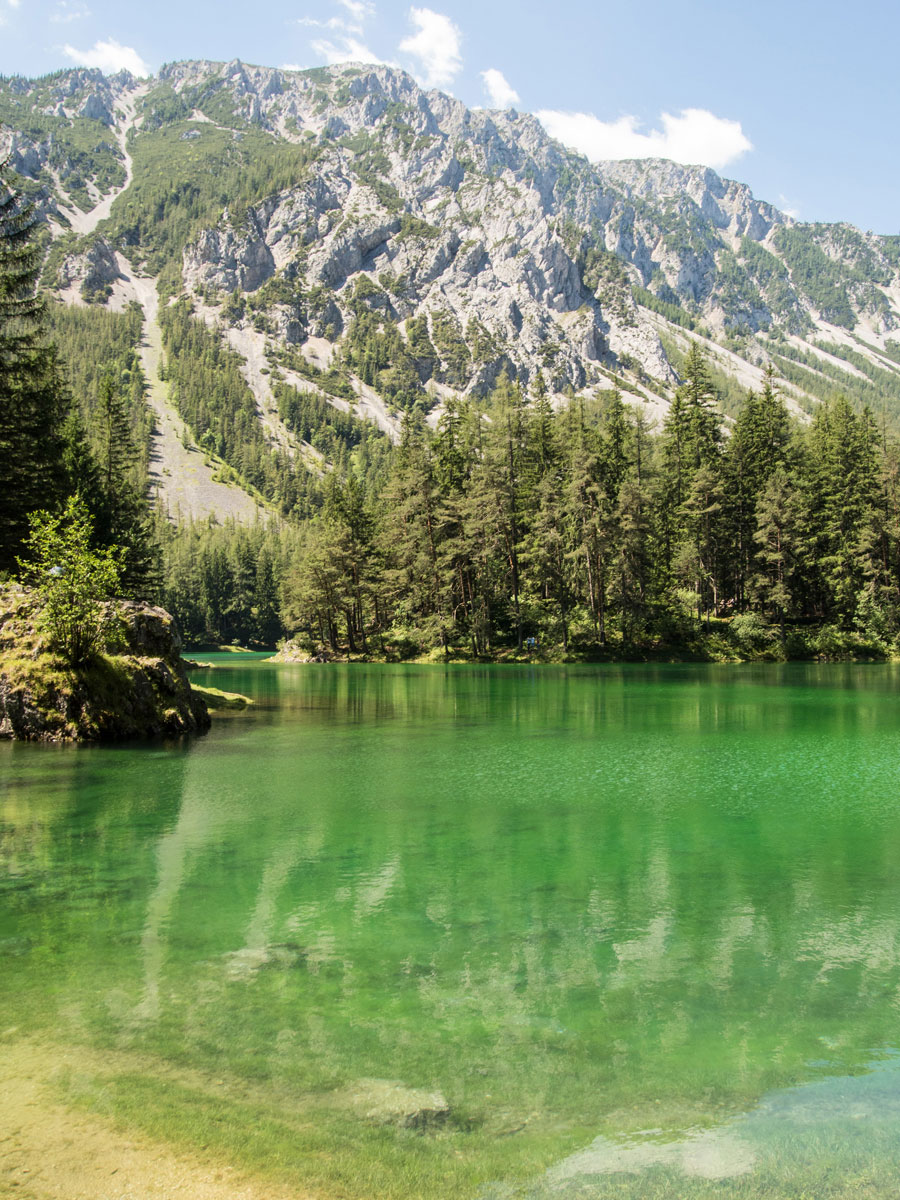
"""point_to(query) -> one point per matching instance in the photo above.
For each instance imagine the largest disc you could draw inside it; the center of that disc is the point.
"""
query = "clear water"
(639, 925)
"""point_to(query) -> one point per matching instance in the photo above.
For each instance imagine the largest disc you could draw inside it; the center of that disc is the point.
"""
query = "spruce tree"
(267, 625)
(778, 537)
(630, 583)
(416, 584)
(841, 484)
(759, 444)
(121, 508)
(33, 398)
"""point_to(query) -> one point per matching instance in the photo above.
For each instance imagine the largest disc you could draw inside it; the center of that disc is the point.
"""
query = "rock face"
(68, 107)
(507, 226)
(140, 691)
(508, 251)
(92, 270)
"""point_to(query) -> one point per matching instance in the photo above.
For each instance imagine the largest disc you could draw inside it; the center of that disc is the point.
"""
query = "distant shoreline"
(711, 651)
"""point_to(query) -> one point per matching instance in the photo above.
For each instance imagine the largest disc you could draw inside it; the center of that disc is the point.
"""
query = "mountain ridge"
(348, 203)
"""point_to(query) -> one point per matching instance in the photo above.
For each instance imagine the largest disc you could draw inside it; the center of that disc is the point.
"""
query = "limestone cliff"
(291, 203)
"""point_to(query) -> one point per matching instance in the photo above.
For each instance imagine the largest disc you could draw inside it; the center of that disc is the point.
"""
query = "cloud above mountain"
(694, 136)
(110, 57)
(433, 51)
(346, 44)
(436, 45)
(344, 50)
(500, 92)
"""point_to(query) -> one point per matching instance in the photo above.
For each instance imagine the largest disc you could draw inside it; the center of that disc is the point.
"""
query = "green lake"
(639, 926)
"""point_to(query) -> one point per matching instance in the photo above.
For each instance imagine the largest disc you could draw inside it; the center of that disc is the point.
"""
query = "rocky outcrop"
(53, 154)
(140, 689)
(96, 108)
(293, 651)
(227, 259)
(92, 271)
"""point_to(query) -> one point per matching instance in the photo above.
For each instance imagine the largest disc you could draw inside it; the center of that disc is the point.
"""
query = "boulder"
(391, 1103)
(139, 690)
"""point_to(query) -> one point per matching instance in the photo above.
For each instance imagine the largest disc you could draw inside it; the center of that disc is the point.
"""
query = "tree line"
(514, 525)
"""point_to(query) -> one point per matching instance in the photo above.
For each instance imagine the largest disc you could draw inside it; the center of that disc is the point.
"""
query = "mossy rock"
(215, 698)
(139, 691)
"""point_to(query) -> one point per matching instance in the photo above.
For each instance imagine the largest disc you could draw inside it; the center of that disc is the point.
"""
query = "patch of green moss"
(217, 699)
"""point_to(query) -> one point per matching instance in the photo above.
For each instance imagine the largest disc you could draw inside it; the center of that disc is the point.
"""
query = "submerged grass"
(315, 1143)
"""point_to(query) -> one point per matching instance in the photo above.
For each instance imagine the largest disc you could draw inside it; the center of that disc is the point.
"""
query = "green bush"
(750, 631)
(72, 580)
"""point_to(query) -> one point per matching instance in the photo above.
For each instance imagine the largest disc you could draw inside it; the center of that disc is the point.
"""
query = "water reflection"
(581, 902)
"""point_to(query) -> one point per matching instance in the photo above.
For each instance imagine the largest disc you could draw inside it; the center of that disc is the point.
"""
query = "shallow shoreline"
(54, 1152)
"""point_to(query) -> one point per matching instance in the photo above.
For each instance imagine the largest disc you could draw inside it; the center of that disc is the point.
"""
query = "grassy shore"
(717, 641)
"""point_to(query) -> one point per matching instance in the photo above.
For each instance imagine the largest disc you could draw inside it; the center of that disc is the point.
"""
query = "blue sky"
(798, 100)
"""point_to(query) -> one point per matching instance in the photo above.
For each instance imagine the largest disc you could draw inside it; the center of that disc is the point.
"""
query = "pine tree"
(454, 457)
(494, 512)
(315, 592)
(589, 521)
(697, 561)
(267, 624)
(416, 584)
(691, 439)
(630, 583)
(615, 452)
(841, 485)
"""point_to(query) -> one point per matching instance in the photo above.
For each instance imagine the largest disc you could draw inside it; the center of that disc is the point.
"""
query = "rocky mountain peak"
(493, 240)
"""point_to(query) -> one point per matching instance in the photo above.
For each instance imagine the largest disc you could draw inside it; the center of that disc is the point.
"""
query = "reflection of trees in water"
(498, 890)
(90, 817)
(557, 955)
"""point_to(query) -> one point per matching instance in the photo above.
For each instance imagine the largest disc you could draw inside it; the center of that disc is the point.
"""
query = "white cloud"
(13, 3)
(695, 136)
(436, 45)
(347, 46)
(333, 23)
(346, 50)
(110, 57)
(359, 10)
(315, 23)
(66, 12)
(499, 91)
(788, 207)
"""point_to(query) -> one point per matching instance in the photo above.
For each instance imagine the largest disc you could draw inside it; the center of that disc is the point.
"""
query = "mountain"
(388, 246)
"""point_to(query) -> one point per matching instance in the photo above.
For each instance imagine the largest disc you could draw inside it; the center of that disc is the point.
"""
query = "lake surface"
(640, 926)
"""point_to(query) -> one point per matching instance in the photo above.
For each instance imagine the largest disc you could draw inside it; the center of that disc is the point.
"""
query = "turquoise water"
(640, 926)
